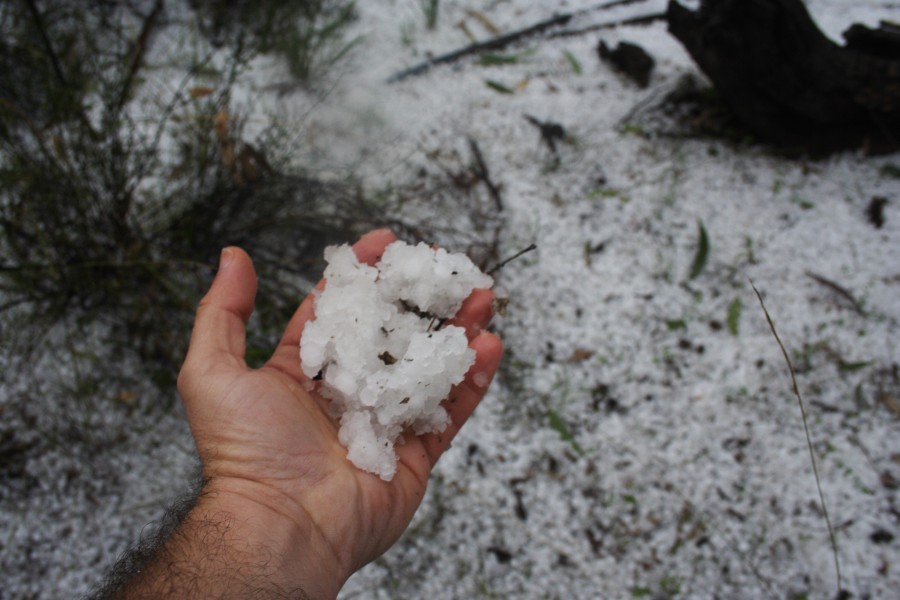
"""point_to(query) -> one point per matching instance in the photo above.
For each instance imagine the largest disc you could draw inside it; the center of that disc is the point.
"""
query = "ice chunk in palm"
(433, 280)
(378, 349)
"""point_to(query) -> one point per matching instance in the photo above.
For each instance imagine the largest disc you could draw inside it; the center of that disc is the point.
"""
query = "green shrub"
(114, 204)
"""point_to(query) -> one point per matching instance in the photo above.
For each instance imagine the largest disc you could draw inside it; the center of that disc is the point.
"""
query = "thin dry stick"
(812, 456)
(501, 41)
(503, 263)
(137, 53)
(840, 290)
(638, 20)
(39, 23)
(492, 44)
(485, 175)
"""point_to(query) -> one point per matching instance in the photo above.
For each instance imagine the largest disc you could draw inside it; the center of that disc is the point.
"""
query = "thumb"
(220, 332)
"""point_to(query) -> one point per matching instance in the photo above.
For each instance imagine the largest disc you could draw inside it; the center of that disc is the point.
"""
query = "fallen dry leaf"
(199, 92)
(579, 355)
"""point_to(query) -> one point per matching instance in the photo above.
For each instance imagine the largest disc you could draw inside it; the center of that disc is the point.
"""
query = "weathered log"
(787, 82)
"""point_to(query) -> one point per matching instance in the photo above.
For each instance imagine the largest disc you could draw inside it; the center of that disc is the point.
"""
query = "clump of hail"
(378, 349)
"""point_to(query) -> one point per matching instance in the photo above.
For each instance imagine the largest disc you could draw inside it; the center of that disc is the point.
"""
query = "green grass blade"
(559, 425)
(702, 253)
(492, 60)
(733, 319)
(576, 66)
(499, 87)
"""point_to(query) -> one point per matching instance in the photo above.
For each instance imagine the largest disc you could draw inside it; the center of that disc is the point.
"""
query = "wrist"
(269, 531)
(230, 546)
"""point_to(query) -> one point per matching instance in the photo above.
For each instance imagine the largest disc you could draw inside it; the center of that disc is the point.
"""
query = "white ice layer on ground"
(377, 346)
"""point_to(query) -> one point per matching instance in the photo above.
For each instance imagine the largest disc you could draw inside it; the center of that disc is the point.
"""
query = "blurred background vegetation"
(124, 171)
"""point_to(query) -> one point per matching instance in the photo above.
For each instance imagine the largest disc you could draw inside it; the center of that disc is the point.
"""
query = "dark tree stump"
(787, 82)
(883, 42)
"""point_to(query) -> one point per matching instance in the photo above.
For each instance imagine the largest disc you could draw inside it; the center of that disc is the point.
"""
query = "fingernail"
(225, 258)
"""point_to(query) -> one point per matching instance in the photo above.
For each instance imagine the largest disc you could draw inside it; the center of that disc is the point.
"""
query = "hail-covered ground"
(643, 439)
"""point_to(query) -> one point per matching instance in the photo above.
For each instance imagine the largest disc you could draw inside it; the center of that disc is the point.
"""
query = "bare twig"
(550, 131)
(484, 175)
(492, 44)
(505, 262)
(502, 41)
(639, 20)
(840, 290)
(137, 54)
(812, 457)
(39, 23)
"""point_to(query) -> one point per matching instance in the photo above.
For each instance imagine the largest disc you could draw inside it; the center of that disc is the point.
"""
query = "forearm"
(222, 549)
(209, 556)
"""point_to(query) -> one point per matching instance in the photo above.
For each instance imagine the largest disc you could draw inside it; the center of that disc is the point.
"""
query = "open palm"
(268, 447)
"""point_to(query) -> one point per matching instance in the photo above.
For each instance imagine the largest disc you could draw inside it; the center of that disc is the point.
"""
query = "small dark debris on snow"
(521, 511)
(875, 211)
(881, 536)
(596, 541)
(601, 398)
(735, 443)
(550, 132)
(598, 247)
(503, 556)
(686, 344)
(629, 59)
(386, 358)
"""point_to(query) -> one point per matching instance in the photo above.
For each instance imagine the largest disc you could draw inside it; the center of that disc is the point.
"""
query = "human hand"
(270, 452)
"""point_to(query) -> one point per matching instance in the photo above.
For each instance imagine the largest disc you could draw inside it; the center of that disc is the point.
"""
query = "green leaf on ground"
(493, 59)
(559, 425)
(849, 367)
(498, 87)
(676, 324)
(576, 66)
(733, 319)
(702, 252)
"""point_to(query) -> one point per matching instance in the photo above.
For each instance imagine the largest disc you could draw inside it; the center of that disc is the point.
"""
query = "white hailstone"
(433, 280)
(378, 350)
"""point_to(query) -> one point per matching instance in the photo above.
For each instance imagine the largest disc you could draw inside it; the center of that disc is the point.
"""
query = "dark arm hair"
(152, 539)
(188, 556)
